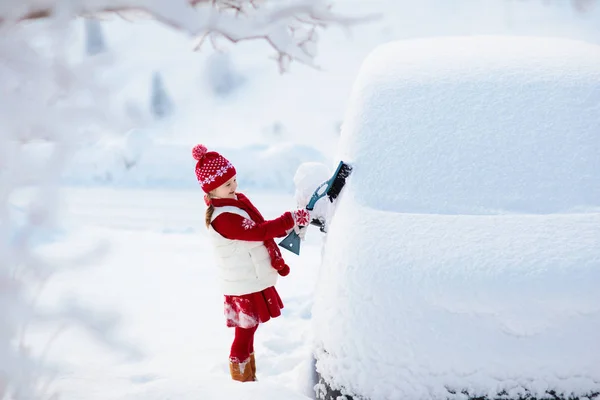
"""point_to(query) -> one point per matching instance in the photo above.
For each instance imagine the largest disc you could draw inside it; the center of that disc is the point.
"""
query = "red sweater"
(236, 227)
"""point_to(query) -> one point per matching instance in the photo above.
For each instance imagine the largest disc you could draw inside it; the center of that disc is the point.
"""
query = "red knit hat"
(212, 169)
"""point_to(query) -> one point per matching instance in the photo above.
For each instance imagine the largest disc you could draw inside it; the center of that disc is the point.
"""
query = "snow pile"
(216, 388)
(415, 303)
(309, 176)
(136, 160)
(477, 126)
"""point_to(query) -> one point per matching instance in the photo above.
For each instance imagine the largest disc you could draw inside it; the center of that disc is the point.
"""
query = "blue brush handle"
(318, 194)
(322, 190)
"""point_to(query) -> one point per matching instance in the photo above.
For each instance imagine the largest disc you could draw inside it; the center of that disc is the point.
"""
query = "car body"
(463, 256)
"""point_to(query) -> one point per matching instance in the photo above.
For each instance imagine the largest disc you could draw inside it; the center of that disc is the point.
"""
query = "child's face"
(226, 190)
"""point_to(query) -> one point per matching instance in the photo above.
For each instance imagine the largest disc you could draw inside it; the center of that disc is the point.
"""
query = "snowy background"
(238, 102)
(132, 191)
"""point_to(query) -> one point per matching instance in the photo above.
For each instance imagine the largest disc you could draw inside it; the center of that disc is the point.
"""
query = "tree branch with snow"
(290, 27)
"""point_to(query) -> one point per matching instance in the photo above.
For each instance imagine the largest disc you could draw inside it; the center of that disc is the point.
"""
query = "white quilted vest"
(244, 266)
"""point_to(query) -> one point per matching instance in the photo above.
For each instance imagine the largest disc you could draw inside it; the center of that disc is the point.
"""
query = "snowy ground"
(159, 277)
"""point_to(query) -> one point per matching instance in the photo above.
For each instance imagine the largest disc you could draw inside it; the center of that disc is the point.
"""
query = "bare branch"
(201, 41)
(234, 20)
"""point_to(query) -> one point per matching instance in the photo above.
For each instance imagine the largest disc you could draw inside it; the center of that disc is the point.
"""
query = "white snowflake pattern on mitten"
(248, 224)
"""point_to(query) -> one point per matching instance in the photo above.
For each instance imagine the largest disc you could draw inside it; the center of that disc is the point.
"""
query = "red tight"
(243, 344)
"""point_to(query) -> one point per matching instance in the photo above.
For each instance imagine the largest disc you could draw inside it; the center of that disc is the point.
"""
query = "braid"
(209, 214)
(209, 210)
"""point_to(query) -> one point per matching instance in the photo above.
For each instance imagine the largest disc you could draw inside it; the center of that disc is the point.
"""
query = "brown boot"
(253, 366)
(241, 372)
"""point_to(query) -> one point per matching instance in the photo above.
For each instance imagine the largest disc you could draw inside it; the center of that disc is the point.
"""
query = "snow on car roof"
(476, 125)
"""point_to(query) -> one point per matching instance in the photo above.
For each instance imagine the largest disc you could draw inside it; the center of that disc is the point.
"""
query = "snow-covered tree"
(221, 75)
(48, 100)
(94, 37)
(161, 104)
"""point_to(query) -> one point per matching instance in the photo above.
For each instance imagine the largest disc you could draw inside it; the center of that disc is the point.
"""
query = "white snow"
(485, 303)
(462, 125)
(136, 160)
(309, 176)
(464, 253)
(158, 286)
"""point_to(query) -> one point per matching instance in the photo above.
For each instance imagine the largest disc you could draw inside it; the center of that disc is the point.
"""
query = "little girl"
(248, 259)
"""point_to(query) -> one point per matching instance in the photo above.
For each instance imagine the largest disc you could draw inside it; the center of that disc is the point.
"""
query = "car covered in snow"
(462, 259)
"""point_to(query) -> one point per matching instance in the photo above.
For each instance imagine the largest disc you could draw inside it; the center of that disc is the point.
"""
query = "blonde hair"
(209, 213)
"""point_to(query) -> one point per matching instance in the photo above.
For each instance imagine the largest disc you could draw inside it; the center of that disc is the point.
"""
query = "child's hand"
(301, 217)
(300, 231)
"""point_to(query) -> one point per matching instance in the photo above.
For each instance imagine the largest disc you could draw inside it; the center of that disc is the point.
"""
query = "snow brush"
(330, 188)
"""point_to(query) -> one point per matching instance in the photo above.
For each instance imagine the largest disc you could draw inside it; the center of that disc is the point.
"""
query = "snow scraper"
(330, 188)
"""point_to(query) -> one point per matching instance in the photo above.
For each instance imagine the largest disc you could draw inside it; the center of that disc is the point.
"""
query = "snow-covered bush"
(463, 257)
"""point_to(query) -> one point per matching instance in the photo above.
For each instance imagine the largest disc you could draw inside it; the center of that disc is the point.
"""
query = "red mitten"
(284, 271)
(280, 265)
(301, 217)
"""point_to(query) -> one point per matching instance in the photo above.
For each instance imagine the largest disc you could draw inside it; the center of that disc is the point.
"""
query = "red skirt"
(249, 310)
